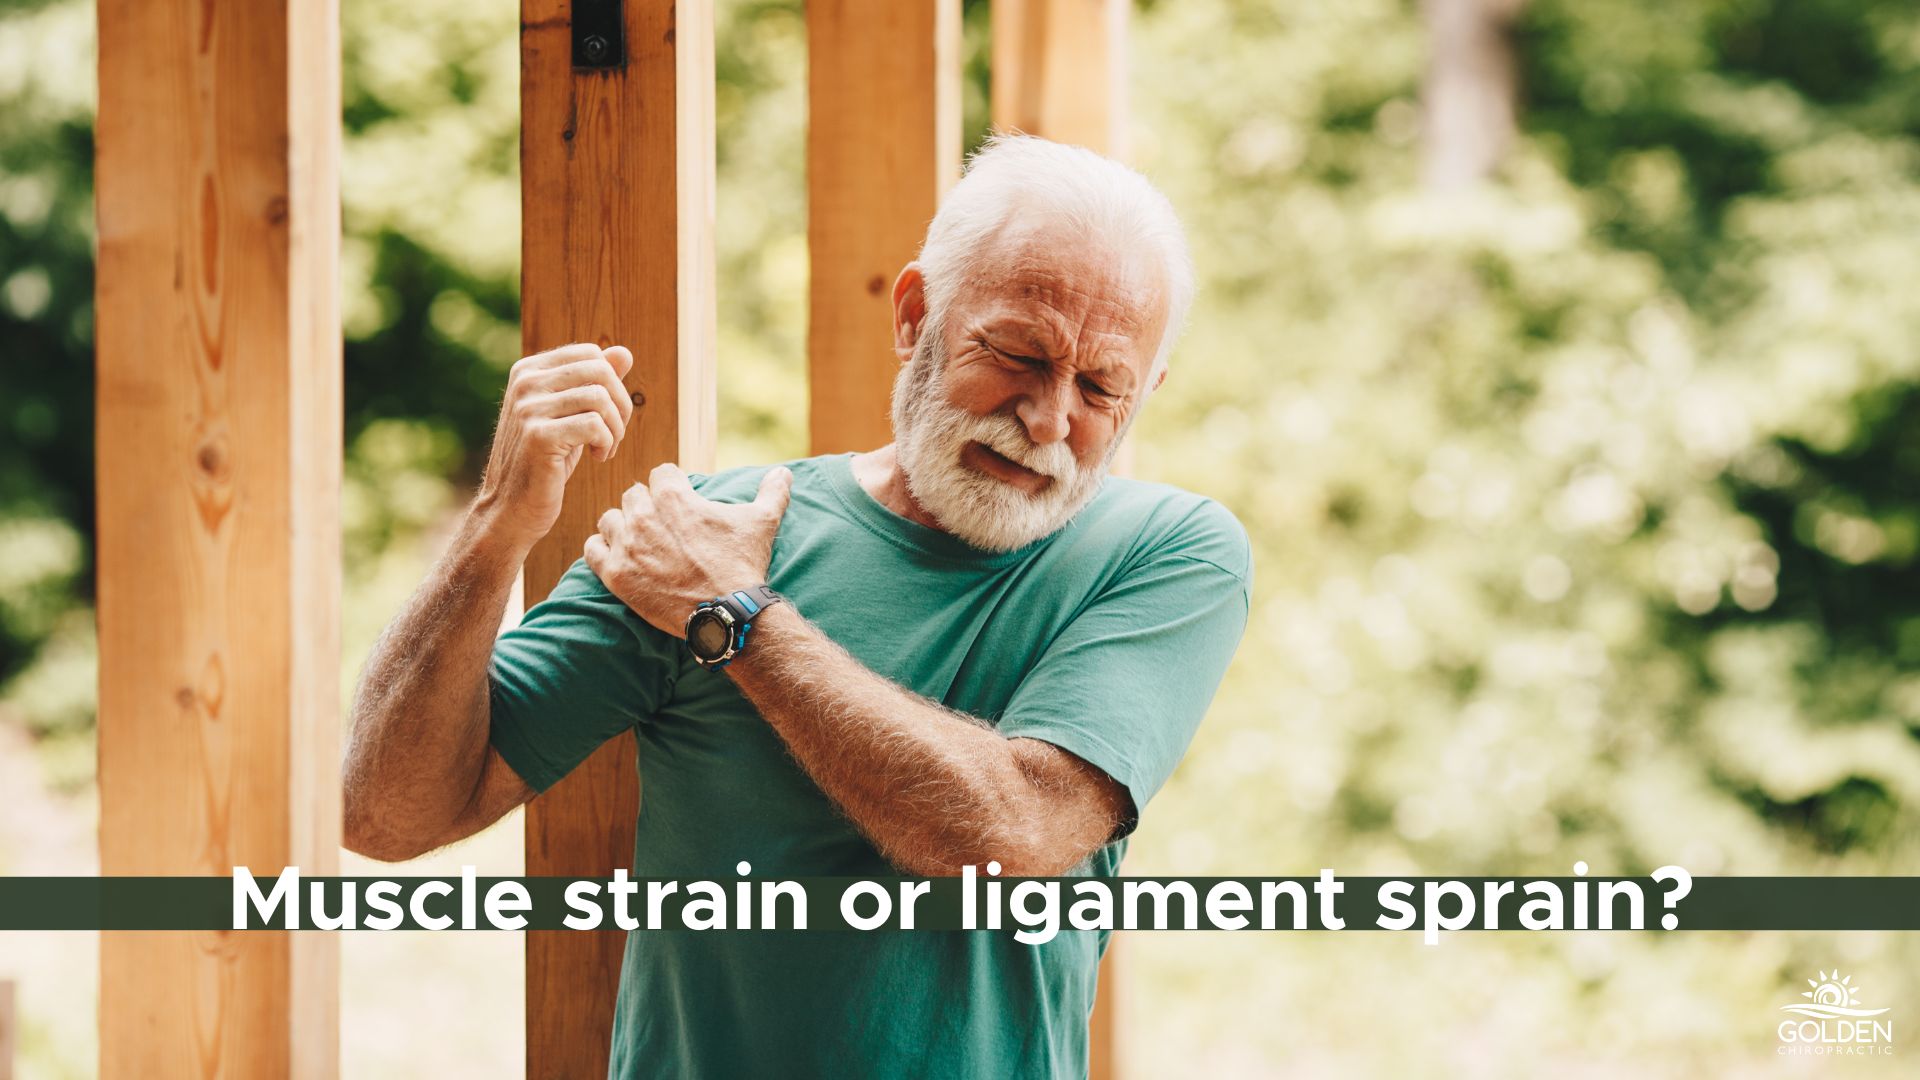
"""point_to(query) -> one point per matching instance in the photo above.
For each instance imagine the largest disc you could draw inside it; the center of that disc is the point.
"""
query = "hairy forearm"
(933, 788)
(419, 730)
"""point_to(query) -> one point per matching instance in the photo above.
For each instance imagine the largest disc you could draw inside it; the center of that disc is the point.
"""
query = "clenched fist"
(559, 405)
(665, 550)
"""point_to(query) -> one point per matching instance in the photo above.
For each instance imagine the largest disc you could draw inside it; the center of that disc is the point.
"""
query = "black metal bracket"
(599, 36)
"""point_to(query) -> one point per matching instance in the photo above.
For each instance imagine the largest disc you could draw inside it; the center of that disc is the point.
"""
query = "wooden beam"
(218, 403)
(1103, 1058)
(883, 145)
(1059, 71)
(9, 1039)
(617, 193)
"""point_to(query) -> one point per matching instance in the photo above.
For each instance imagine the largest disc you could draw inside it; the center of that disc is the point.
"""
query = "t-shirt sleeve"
(1125, 684)
(579, 669)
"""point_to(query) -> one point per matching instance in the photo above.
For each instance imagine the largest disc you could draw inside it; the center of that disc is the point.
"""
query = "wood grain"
(617, 201)
(218, 444)
(883, 145)
(1060, 72)
(9, 1039)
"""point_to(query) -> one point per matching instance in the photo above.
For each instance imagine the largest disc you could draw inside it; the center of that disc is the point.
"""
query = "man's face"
(1011, 406)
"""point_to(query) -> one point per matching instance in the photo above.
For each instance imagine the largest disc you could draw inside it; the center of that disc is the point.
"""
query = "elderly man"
(971, 645)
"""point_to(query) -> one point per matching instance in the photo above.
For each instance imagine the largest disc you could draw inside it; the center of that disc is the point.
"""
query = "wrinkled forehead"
(1060, 274)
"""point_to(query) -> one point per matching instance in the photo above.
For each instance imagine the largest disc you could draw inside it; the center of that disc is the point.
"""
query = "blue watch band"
(735, 611)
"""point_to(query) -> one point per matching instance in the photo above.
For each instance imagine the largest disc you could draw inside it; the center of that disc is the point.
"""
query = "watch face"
(709, 635)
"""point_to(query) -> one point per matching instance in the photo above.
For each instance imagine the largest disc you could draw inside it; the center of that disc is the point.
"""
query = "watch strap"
(741, 605)
(746, 603)
(749, 602)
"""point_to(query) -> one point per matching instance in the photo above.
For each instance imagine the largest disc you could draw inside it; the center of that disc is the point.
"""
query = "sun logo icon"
(1832, 996)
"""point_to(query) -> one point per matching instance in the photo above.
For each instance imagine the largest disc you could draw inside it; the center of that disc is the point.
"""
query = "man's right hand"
(559, 404)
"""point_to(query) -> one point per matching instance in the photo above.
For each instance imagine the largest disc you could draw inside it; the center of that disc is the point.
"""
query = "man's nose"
(1046, 414)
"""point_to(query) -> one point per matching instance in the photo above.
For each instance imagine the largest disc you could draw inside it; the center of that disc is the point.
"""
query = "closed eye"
(1026, 361)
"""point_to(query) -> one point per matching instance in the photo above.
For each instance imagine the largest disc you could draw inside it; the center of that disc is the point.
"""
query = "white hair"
(1072, 186)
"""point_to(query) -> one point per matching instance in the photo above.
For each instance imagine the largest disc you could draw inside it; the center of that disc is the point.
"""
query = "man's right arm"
(420, 771)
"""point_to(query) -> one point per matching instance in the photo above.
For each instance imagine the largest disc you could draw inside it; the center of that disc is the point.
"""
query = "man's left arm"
(933, 788)
(1094, 728)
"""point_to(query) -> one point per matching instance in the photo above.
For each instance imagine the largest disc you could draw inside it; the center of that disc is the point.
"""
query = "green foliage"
(1583, 503)
(1595, 475)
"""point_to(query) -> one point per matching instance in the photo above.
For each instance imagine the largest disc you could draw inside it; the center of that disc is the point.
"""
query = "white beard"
(983, 510)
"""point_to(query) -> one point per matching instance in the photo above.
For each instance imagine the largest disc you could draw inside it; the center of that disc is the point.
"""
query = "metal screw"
(596, 48)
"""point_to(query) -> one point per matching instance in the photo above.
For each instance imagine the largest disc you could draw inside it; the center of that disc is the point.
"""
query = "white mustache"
(1004, 436)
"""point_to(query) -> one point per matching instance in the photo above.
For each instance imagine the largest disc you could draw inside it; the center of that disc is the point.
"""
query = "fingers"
(576, 365)
(607, 375)
(667, 479)
(549, 418)
(637, 500)
(611, 523)
(565, 354)
(597, 553)
(593, 371)
(578, 400)
(587, 383)
(588, 429)
(776, 490)
(621, 358)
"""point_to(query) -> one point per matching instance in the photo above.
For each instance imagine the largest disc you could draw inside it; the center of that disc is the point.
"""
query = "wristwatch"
(717, 629)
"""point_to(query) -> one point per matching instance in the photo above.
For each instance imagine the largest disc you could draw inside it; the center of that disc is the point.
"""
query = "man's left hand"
(665, 550)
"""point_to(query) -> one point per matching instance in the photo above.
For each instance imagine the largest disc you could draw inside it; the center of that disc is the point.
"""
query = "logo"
(1833, 1021)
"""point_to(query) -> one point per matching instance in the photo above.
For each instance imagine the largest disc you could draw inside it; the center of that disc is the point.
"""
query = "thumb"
(621, 358)
(776, 488)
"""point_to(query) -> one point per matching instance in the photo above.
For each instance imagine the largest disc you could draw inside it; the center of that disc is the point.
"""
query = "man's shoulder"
(1162, 521)
(741, 482)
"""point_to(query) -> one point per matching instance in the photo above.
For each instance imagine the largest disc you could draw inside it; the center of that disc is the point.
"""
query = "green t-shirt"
(1107, 638)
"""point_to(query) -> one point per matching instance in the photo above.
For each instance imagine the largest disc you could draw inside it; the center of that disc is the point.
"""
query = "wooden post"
(1059, 71)
(8, 1040)
(218, 399)
(883, 144)
(617, 198)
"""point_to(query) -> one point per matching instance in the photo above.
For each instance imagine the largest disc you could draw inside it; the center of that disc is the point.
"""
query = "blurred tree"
(1468, 98)
(1582, 495)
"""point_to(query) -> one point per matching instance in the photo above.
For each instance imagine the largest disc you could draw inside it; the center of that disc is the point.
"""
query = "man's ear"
(909, 311)
(1157, 380)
